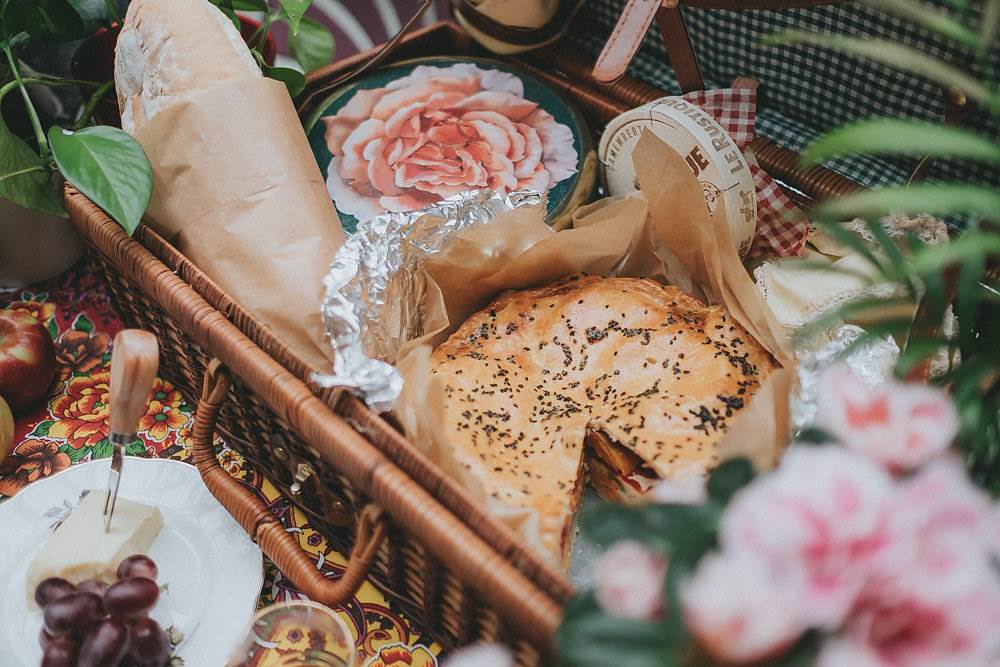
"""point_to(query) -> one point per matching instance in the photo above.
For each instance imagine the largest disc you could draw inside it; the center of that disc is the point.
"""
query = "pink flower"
(821, 516)
(899, 425)
(630, 581)
(940, 533)
(933, 596)
(740, 611)
(481, 655)
(440, 131)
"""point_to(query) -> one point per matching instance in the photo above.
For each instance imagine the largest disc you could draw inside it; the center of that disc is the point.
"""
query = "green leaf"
(989, 23)
(883, 136)
(103, 449)
(728, 478)
(83, 323)
(24, 177)
(45, 20)
(294, 10)
(888, 247)
(313, 46)
(930, 18)
(684, 531)
(802, 654)
(846, 237)
(231, 15)
(53, 328)
(813, 436)
(250, 5)
(92, 12)
(294, 80)
(895, 55)
(108, 166)
(588, 637)
(923, 198)
(42, 429)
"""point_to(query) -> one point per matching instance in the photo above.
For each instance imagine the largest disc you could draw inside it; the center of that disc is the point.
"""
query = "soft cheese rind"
(81, 550)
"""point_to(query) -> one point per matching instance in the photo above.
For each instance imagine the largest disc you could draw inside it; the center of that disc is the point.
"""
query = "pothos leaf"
(728, 478)
(294, 80)
(108, 166)
(313, 46)
(294, 10)
(25, 179)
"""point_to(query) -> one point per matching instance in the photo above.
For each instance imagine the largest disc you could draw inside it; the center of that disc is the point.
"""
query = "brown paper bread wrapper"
(664, 233)
(236, 189)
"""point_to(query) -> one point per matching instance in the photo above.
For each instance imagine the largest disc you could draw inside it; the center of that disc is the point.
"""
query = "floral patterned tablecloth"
(71, 426)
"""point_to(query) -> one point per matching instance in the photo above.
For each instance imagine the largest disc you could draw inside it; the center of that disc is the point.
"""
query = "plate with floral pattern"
(211, 570)
(419, 131)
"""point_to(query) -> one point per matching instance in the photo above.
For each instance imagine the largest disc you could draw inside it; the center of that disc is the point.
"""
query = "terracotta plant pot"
(34, 246)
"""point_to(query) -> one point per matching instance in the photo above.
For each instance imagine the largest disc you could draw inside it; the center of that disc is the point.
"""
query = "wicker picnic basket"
(457, 572)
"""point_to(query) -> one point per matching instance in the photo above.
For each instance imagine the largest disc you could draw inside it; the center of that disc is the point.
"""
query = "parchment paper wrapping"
(236, 189)
(665, 234)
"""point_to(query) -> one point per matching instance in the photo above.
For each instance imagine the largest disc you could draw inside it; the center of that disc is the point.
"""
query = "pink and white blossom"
(900, 425)
(630, 581)
(440, 131)
(741, 610)
(823, 513)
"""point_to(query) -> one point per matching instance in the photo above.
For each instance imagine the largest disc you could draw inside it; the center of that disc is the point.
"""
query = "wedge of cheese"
(81, 550)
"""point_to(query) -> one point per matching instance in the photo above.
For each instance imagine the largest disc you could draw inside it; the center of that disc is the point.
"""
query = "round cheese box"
(706, 147)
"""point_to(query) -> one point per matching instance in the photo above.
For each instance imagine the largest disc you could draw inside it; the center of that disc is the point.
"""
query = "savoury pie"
(632, 379)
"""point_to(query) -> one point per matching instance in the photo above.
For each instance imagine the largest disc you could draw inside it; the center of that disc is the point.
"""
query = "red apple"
(27, 359)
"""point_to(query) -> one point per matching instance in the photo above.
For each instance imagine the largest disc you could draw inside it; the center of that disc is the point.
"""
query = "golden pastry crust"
(530, 375)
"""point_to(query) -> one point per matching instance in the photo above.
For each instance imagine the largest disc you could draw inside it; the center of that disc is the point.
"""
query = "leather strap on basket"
(263, 527)
(637, 15)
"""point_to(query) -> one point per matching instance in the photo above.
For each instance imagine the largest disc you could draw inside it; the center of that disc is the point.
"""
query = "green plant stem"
(36, 124)
(44, 81)
(88, 109)
(113, 10)
(22, 172)
(259, 37)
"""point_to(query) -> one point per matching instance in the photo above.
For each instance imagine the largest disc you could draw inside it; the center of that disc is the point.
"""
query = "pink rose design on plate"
(440, 131)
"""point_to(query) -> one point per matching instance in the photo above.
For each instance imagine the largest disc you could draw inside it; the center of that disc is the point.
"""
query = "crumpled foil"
(378, 265)
(871, 363)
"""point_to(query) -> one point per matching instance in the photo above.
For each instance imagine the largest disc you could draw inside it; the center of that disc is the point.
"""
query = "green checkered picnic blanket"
(806, 90)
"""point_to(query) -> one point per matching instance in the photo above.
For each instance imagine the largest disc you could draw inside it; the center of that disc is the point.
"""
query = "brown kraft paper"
(664, 233)
(237, 190)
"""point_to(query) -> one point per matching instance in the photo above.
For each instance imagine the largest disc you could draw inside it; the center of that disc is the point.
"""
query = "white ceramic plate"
(213, 571)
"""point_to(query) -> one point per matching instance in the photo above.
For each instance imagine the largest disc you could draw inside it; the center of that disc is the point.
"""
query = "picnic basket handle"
(260, 523)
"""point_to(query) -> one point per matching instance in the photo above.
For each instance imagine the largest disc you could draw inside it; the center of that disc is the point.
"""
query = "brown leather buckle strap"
(263, 527)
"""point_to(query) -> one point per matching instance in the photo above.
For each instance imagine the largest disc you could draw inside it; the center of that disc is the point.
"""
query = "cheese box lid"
(416, 132)
(707, 148)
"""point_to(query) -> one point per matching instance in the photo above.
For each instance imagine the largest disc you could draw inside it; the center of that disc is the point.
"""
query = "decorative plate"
(213, 571)
(413, 133)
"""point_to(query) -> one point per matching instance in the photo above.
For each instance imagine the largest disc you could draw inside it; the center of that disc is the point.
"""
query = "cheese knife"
(134, 360)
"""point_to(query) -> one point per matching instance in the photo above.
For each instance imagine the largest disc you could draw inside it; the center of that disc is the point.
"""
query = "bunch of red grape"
(97, 625)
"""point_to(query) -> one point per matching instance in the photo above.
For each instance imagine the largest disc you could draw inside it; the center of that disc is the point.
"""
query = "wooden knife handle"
(134, 360)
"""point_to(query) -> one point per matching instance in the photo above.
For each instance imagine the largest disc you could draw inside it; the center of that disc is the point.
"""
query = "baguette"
(168, 50)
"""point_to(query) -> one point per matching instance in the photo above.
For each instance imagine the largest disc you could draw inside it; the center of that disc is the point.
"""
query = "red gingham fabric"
(781, 227)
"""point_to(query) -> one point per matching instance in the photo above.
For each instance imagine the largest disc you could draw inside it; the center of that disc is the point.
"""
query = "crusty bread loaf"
(170, 49)
(651, 371)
